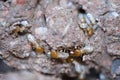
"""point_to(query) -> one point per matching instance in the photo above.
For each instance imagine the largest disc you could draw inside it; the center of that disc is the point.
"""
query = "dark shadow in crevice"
(3, 0)
(93, 74)
(81, 10)
(66, 77)
(4, 68)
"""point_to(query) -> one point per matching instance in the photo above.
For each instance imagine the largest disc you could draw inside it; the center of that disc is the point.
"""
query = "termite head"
(69, 59)
(54, 54)
(77, 53)
(15, 30)
(39, 49)
(90, 31)
(20, 27)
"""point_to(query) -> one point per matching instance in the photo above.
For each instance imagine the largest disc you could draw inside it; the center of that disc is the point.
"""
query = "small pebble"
(41, 30)
(115, 68)
(25, 23)
(3, 23)
(102, 76)
(49, 54)
(115, 14)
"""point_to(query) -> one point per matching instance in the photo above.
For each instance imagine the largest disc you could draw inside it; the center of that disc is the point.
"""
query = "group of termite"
(59, 53)
(86, 22)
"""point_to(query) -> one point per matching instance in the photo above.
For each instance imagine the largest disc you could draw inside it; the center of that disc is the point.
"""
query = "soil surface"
(59, 39)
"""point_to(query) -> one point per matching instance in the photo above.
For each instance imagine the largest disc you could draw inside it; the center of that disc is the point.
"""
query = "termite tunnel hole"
(3, 0)
(67, 77)
(81, 10)
(93, 73)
